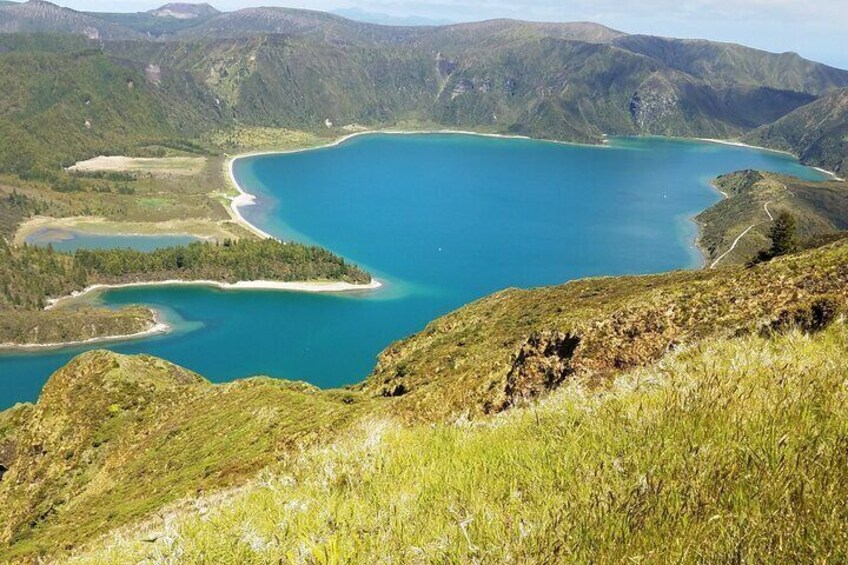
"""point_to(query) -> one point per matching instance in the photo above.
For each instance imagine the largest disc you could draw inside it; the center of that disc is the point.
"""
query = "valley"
(281, 286)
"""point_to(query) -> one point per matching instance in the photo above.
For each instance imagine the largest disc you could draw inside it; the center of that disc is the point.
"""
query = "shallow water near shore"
(443, 220)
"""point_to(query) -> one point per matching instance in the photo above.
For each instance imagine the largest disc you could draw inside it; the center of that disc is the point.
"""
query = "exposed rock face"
(184, 11)
(542, 364)
(153, 73)
(653, 105)
(7, 455)
(445, 66)
(809, 316)
(462, 86)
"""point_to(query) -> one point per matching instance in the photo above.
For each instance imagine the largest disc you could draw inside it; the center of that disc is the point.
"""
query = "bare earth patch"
(165, 166)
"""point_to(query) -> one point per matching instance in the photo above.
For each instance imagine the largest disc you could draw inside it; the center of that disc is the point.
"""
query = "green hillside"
(116, 438)
(733, 451)
(753, 198)
(817, 132)
(82, 102)
(312, 71)
(40, 16)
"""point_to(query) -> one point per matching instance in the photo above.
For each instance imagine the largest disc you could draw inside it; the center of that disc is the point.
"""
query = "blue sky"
(813, 28)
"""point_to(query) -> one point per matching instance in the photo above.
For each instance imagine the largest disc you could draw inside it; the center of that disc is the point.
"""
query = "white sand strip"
(316, 286)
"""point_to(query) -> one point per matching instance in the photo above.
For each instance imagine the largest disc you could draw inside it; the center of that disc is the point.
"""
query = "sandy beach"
(314, 286)
(831, 174)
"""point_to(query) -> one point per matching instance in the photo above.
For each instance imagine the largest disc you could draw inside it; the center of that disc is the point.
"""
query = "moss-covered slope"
(516, 344)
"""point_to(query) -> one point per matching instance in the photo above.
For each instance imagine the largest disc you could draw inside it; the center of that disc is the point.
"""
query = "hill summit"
(184, 11)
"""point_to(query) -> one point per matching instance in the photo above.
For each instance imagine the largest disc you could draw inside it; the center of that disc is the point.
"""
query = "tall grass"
(734, 451)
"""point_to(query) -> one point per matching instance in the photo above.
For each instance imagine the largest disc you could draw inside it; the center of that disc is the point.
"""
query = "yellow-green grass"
(133, 199)
(245, 138)
(114, 438)
(733, 451)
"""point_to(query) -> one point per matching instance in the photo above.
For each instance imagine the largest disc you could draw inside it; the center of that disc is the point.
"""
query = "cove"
(442, 220)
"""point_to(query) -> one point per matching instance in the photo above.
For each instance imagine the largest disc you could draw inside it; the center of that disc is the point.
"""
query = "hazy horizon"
(779, 26)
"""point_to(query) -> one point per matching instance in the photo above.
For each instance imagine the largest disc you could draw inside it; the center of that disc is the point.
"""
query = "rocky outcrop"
(542, 364)
(654, 104)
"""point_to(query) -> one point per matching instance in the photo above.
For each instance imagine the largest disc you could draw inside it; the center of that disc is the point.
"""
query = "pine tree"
(784, 235)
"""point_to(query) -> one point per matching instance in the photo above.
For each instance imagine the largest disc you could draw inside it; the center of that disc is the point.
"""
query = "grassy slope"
(118, 437)
(466, 361)
(731, 451)
(820, 208)
(105, 446)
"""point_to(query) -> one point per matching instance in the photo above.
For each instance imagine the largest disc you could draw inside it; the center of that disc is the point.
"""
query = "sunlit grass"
(733, 451)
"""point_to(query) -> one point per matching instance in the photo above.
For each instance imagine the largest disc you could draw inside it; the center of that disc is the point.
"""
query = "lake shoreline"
(245, 198)
(159, 327)
(732, 143)
(291, 286)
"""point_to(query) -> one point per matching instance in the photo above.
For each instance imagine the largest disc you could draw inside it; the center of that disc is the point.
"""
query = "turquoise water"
(442, 220)
(71, 240)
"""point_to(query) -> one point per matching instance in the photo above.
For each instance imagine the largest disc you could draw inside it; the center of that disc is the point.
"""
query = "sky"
(813, 28)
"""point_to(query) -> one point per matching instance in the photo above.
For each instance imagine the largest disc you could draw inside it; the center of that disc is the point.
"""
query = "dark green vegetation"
(114, 438)
(817, 132)
(820, 210)
(30, 275)
(244, 260)
(783, 235)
